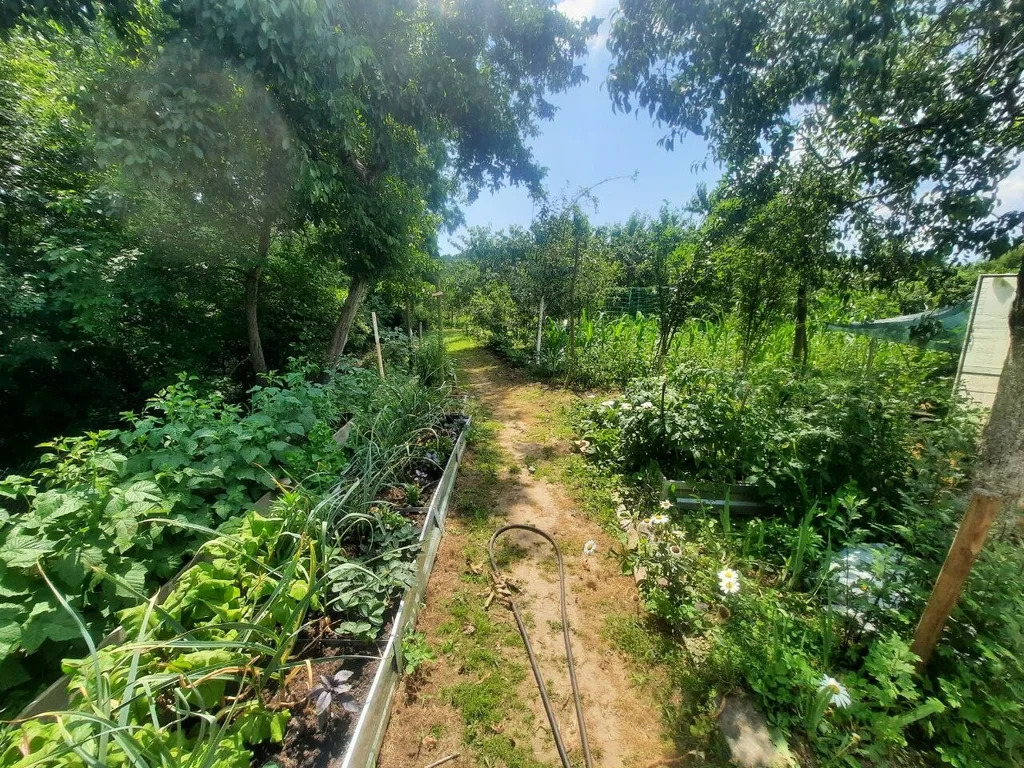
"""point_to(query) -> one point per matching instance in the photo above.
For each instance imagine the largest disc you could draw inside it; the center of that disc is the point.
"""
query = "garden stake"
(970, 537)
(499, 584)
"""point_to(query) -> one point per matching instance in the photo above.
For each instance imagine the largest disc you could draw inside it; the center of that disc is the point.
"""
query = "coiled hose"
(559, 744)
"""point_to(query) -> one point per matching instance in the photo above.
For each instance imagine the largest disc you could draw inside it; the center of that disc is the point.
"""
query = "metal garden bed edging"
(742, 498)
(55, 696)
(368, 735)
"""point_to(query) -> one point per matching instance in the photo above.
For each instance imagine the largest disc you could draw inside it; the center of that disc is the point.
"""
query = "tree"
(197, 135)
(793, 213)
(400, 98)
(687, 274)
(917, 101)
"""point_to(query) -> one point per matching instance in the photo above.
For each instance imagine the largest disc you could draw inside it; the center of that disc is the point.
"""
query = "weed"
(415, 651)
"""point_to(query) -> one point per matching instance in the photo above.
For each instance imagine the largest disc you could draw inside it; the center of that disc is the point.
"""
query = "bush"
(799, 439)
(853, 460)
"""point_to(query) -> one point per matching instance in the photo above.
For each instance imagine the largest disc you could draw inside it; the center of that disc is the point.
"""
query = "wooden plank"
(970, 537)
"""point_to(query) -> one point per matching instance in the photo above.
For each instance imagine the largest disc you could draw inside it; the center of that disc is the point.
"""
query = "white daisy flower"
(660, 519)
(608, 404)
(626, 407)
(729, 586)
(729, 574)
(590, 548)
(665, 504)
(675, 550)
(646, 404)
(839, 696)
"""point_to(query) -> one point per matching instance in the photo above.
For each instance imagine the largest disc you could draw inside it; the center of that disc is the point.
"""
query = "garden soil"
(624, 722)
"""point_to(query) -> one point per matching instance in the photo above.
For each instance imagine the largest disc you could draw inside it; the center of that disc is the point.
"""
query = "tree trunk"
(252, 318)
(252, 298)
(356, 292)
(800, 334)
(1001, 459)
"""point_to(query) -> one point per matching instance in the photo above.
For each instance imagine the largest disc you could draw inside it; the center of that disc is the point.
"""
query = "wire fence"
(630, 300)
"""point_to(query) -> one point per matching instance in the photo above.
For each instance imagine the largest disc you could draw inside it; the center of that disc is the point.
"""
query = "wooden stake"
(376, 340)
(540, 327)
(970, 537)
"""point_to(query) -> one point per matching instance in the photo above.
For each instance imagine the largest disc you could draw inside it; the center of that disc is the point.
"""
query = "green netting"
(630, 300)
(942, 328)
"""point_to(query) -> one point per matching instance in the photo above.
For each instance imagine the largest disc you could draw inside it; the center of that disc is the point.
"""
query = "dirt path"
(479, 697)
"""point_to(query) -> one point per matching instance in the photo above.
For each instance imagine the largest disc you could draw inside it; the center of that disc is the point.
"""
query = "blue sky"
(587, 142)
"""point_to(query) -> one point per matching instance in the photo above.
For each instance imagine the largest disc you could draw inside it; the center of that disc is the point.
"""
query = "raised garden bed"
(325, 735)
(742, 498)
(341, 740)
(372, 722)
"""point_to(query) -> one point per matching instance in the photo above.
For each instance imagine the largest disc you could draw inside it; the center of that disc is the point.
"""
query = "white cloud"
(584, 9)
(1011, 191)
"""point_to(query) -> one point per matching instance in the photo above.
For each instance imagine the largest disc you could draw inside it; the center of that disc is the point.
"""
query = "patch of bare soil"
(624, 723)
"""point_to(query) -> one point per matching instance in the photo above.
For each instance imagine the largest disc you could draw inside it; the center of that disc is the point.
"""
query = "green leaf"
(135, 581)
(24, 551)
(48, 622)
(11, 619)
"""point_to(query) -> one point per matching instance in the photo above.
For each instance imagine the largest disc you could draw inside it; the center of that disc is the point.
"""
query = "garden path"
(479, 698)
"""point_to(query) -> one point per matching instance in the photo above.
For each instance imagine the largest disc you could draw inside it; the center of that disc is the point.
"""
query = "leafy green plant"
(416, 651)
(113, 514)
(430, 361)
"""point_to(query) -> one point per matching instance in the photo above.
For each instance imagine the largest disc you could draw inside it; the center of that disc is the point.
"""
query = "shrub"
(799, 439)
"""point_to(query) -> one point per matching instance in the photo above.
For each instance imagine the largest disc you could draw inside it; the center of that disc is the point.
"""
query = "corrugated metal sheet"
(988, 338)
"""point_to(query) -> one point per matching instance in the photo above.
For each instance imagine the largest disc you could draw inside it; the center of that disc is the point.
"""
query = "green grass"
(488, 699)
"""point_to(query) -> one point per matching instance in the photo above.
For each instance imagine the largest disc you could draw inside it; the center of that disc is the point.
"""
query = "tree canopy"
(919, 101)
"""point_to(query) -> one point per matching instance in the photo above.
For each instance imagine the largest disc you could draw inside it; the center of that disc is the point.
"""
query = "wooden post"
(376, 340)
(970, 537)
(540, 327)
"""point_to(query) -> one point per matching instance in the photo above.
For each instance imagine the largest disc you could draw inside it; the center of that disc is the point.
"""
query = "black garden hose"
(559, 744)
